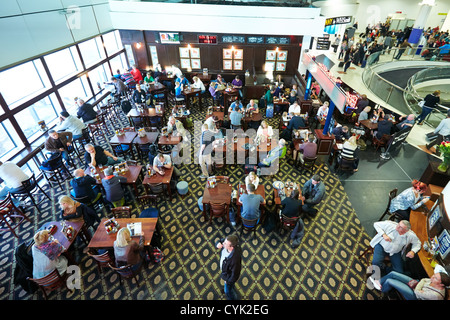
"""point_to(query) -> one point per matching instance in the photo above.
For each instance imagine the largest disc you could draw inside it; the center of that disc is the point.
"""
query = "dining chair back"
(217, 210)
(51, 282)
(8, 214)
(125, 272)
(288, 223)
(121, 212)
(392, 194)
(102, 260)
(29, 187)
(249, 225)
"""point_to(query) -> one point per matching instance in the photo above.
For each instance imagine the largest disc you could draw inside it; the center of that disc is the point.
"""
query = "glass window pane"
(10, 142)
(118, 63)
(154, 55)
(23, 82)
(130, 54)
(76, 89)
(92, 51)
(98, 76)
(113, 42)
(46, 109)
(63, 64)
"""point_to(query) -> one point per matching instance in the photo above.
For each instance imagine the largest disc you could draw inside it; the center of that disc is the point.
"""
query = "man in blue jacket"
(313, 192)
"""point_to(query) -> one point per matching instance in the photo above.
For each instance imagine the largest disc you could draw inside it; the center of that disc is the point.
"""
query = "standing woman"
(47, 257)
(431, 100)
(411, 198)
(348, 58)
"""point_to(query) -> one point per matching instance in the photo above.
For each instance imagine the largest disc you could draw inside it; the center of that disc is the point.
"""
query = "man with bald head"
(406, 122)
(84, 186)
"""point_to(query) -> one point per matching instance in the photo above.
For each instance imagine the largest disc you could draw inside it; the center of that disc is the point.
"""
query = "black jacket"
(231, 267)
(86, 112)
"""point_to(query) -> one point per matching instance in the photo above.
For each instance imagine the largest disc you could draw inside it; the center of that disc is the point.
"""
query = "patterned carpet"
(324, 267)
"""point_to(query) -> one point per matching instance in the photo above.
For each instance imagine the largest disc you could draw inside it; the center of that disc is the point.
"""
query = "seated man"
(175, 127)
(59, 143)
(340, 132)
(71, 124)
(252, 106)
(86, 112)
(12, 175)
(162, 161)
(96, 155)
(84, 186)
(307, 149)
(384, 127)
(236, 105)
(250, 205)
(275, 153)
(113, 188)
(183, 81)
(236, 118)
(406, 122)
(390, 240)
(295, 123)
(313, 192)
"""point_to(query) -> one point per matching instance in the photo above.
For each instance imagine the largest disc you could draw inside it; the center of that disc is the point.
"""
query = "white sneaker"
(233, 224)
(376, 283)
(203, 177)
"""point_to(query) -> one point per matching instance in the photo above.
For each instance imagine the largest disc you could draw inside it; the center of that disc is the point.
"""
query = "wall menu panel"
(259, 40)
(233, 39)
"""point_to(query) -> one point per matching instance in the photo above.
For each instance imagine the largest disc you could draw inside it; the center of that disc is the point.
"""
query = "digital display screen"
(169, 37)
(207, 39)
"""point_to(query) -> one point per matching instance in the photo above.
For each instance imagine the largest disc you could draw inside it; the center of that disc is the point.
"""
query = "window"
(98, 76)
(92, 51)
(46, 109)
(118, 63)
(113, 42)
(9, 140)
(23, 82)
(130, 55)
(78, 88)
(63, 64)
(154, 55)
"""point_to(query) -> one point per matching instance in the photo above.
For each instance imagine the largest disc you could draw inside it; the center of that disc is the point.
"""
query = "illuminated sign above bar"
(207, 39)
(337, 20)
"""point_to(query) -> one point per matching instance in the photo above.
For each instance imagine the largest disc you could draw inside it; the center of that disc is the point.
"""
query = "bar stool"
(183, 188)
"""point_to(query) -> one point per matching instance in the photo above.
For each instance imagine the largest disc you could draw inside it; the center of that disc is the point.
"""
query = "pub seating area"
(183, 221)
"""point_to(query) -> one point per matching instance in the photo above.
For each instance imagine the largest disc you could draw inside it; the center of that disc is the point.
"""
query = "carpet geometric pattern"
(324, 267)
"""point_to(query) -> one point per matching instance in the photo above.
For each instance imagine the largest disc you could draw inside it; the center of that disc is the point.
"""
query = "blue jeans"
(425, 112)
(399, 282)
(230, 291)
(378, 257)
(111, 161)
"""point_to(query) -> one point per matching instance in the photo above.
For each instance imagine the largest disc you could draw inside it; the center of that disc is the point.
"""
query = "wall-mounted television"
(169, 37)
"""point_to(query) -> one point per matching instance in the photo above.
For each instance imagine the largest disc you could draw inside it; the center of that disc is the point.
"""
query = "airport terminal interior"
(61, 60)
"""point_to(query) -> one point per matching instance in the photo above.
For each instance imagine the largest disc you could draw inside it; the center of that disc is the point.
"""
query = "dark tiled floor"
(368, 188)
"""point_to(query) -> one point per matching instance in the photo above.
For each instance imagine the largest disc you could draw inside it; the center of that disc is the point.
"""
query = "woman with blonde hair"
(264, 131)
(348, 152)
(47, 256)
(127, 251)
(252, 178)
(72, 210)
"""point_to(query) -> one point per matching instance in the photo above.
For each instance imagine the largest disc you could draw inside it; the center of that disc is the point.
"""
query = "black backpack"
(126, 106)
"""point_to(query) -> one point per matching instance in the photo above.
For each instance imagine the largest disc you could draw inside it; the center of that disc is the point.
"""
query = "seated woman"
(411, 198)
(292, 204)
(349, 149)
(252, 178)
(47, 256)
(198, 84)
(293, 94)
(322, 112)
(426, 289)
(274, 154)
(128, 251)
(264, 131)
(72, 210)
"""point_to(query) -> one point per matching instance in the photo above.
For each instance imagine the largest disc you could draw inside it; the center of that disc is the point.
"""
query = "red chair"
(8, 214)
(51, 282)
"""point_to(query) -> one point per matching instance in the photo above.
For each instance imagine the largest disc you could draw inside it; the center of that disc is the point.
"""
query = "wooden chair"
(148, 200)
(307, 164)
(8, 214)
(392, 194)
(158, 189)
(56, 174)
(121, 212)
(125, 272)
(377, 143)
(129, 129)
(217, 210)
(51, 282)
(249, 225)
(345, 165)
(102, 260)
(79, 143)
(287, 223)
(137, 121)
(30, 186)
(121, 150)
(151, 129)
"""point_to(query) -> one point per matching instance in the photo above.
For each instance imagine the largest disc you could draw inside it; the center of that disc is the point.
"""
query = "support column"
(421, 19)
(329, 116)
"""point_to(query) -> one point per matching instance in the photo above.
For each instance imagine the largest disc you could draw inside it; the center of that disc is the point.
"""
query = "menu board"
(259, 40)
(444, 243)
(233, 39)
(278, 40)
(323, 43)
(207, 39)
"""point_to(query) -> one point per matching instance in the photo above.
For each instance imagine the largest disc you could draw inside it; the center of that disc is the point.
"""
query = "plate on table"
(278, 185)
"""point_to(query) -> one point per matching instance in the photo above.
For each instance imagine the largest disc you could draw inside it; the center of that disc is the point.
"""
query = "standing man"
(401, 48)
(443, 133)
(230, 264)
(430, 102)
(206, 147)
(313, 192)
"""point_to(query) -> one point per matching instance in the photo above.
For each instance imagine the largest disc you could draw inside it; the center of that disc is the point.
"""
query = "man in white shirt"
(390, 240)
(71, 124)
(12, 175)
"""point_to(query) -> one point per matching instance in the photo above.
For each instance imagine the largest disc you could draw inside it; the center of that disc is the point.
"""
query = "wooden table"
(368, 124)
(102, 240)
(132, 175)
(149, 138)
(193, 92)
(126, 139)
(157, 89)
(255, 117)
(78, 227)
(145, 114)
(157, 178)
(169, 140)
(229, 96)
(219, 114)
(220, 194)
(283, 104)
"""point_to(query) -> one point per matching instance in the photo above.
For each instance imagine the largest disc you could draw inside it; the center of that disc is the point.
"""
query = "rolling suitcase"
(269, 111)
